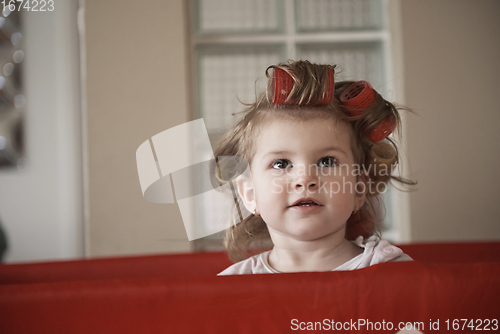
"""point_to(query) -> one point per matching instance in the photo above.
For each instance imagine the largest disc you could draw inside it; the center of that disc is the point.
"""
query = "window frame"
(389, 37)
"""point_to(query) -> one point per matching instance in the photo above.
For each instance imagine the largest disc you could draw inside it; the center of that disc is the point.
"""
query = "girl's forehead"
(278, 131)
(321, 124)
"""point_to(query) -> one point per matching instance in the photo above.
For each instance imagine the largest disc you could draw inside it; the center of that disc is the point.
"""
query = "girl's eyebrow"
(328, 149)
(276, 153)
(334, 148)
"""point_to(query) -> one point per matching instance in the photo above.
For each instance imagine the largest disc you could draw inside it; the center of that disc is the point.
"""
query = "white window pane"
(330, 15)
(237, 16)
(226, 74)
(355, 61)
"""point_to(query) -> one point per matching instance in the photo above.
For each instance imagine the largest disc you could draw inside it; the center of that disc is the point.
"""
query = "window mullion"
(290, 29)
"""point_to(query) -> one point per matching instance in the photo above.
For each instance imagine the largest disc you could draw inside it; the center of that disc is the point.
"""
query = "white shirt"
(375, 251)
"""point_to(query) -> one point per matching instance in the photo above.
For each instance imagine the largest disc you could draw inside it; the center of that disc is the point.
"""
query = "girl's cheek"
(278, 185)
(338, 185)
(342, 172)
(347, 170)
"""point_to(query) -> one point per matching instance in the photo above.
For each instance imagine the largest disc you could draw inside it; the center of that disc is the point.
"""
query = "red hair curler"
(283, 85)
(357, 98)
(382, 131)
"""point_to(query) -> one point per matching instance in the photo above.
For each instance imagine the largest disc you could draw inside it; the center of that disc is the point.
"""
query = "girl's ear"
(361, 190)
(247, 193)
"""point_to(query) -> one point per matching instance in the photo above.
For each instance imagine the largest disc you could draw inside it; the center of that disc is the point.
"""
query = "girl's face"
(309, 161)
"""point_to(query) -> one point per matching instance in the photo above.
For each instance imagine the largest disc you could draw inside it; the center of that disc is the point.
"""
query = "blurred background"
(82, 86)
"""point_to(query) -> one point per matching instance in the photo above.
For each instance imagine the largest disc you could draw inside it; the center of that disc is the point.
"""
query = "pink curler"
(357, 98)
(283, 85)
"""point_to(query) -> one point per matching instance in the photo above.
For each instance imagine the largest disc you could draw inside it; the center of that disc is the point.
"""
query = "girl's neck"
(321, 255)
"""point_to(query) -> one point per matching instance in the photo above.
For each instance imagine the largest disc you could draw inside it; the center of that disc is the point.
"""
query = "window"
(234, 41)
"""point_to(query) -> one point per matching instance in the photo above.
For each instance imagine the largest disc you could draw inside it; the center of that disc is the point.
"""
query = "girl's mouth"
(307, 201)
(305, 205)
(306, 208)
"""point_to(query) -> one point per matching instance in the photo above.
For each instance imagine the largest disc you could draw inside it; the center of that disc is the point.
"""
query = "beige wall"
(452, 72)
(136, 87)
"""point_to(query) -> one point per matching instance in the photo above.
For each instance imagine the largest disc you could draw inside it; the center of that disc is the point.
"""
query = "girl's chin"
(310, 234)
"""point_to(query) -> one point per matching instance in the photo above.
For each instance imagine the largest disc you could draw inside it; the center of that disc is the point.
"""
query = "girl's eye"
(327, 162)
(281, 163)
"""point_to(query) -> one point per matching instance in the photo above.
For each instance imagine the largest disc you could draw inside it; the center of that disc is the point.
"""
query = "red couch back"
(209, 264)
(181, 294)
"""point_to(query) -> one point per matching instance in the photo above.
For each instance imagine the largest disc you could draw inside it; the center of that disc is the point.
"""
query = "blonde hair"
(310, 85)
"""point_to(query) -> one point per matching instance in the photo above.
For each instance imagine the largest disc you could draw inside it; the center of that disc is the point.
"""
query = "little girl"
(319, 156)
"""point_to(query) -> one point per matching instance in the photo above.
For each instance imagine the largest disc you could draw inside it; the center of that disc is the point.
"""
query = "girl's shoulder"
(384, 251)
(402, 257)
(376, 251)
(256, 264)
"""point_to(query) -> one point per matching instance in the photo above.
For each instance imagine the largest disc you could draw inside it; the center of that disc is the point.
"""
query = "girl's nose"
(308, 182)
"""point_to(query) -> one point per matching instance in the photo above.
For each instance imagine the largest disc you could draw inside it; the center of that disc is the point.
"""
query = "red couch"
(182, 294)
